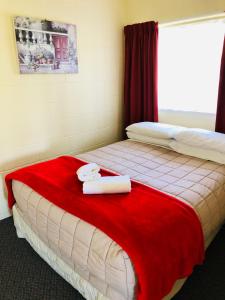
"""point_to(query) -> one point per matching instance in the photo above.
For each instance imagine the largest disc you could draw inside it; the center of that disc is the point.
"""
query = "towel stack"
(93, 183)
(88, 172)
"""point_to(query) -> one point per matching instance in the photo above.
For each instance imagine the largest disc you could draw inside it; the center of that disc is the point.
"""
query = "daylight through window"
(189, 66)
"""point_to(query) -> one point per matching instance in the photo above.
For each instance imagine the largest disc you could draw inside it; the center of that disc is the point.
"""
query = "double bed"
(86, 257)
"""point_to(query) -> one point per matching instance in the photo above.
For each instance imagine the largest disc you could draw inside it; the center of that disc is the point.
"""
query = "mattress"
(90, 253)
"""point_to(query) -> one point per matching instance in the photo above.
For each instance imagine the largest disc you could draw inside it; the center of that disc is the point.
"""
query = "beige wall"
(170, 10)
(46, 115)
(188, 119)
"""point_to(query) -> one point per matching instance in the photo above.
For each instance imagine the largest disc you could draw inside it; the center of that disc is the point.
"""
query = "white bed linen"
(154, 129)
(202, 138)
(200, 152)
(149, 140)
(197, 182)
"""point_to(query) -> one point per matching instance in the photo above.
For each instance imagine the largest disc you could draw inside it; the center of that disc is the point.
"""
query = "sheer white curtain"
(189, 66)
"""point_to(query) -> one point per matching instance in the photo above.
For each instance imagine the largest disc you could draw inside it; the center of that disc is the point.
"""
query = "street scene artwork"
(45, 46)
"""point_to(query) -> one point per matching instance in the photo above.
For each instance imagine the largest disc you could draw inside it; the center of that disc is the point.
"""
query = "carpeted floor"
(25, 276)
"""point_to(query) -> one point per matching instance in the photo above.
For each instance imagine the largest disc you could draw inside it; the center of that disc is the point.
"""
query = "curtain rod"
(193, 20)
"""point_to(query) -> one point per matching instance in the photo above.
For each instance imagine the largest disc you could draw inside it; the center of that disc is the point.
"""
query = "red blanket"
(161, 235)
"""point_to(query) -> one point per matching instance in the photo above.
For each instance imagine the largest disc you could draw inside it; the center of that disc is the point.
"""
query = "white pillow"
(202, 138)
(208, 154)
(149, 140)
(154, 129)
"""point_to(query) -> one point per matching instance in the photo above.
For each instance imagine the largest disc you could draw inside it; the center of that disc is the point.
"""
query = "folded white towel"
(88, 168)
(108, 185)
(89, 177)
(89, 172)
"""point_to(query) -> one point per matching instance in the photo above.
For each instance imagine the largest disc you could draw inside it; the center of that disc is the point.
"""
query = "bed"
(86, 257)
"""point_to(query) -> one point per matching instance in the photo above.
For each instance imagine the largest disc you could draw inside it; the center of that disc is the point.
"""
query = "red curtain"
(220, 114)
(141, 86)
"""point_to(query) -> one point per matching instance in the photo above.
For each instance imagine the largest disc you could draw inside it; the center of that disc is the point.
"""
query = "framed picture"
(45, 46)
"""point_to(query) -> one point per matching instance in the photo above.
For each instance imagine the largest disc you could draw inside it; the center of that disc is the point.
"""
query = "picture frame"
(45, 46)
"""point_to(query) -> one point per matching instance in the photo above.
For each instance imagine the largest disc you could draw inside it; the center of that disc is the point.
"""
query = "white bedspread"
(91, 253)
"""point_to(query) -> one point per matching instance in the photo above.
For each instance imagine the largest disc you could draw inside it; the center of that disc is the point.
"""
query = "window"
(189, 66)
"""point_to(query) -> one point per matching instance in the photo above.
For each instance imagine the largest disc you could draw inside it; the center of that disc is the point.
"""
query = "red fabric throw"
(161, 235)
(141, 73)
